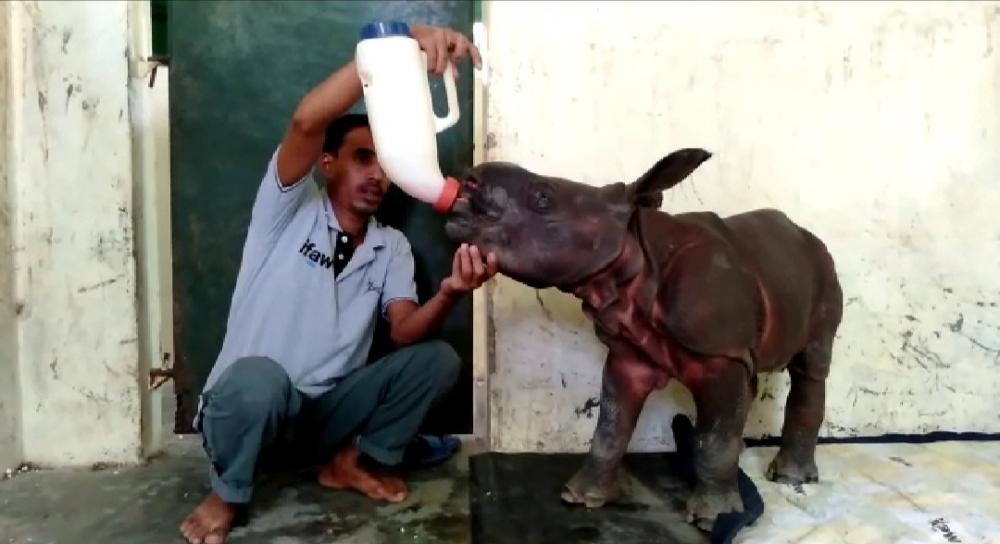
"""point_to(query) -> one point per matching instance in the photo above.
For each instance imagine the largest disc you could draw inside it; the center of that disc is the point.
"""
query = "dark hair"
(339, 128)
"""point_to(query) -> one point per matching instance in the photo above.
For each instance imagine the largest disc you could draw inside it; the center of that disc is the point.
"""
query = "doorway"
(237, 71)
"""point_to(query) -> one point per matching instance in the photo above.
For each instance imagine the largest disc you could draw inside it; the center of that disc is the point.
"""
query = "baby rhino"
(707, 300)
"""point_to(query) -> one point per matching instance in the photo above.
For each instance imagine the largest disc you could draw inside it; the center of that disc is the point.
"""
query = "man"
(316, 272)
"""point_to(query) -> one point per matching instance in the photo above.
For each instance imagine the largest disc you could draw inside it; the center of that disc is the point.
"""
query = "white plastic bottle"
(393, 72)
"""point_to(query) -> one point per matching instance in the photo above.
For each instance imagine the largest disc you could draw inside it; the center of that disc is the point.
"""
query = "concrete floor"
(145, 504)
(943, 492)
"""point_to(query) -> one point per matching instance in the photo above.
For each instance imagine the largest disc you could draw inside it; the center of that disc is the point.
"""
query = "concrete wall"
(875, 125)
(10, 396)
(70, 169)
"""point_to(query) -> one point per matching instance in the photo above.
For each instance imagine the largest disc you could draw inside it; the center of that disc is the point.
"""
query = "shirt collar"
(373, 234)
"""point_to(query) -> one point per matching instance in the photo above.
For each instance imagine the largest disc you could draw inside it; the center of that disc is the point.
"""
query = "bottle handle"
(451, 93)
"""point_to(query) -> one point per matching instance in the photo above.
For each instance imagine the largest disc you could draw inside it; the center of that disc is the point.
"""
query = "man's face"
(353, 175)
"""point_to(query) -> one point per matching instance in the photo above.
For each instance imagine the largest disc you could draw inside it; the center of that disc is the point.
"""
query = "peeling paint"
(957, 325)
(588, 407)
(104, 283)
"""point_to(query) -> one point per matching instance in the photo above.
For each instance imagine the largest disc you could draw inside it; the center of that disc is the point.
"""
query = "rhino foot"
(587, 489)
(786, 469)
(704, 506)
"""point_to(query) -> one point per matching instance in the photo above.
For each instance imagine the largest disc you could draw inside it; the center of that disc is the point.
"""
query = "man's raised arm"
(303, 141)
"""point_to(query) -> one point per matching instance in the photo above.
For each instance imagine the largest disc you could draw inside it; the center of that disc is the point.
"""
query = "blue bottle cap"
(384, 29)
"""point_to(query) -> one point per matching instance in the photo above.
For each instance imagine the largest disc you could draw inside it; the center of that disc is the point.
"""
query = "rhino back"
(791, 267)
(796, 274)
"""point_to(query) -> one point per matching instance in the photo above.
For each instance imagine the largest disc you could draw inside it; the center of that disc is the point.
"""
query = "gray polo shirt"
(289, 306)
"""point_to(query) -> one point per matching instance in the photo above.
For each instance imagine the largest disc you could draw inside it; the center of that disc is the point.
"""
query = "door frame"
(483, 341)
(150, 114)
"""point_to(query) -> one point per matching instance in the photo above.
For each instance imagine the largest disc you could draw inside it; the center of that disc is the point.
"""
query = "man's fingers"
(431, 56)
(459, 48)
(466, 264)
(477, 262)
(462, 47)
(442, 61)
(492, 264)
(456, 263)
(477, 59)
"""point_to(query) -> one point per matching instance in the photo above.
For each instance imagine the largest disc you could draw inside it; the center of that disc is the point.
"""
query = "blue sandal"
(428, 450)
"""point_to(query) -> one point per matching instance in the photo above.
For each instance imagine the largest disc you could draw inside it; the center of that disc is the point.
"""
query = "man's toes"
(385, 492)
(395, 495)
(393, 489)
(373, 489)
(215, 537)
(192, 531)
(393, 485)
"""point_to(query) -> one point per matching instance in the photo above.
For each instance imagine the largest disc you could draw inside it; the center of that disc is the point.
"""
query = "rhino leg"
(626, 384)
(795, 462)
(722, 401)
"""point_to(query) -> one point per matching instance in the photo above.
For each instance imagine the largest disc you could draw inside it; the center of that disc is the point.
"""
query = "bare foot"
(344, 472)
(210, 522)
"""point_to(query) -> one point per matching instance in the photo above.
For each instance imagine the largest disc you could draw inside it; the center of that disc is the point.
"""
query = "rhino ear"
(647, 191)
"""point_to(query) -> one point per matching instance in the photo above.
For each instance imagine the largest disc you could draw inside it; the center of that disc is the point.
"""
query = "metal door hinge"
(160, 376)
(157, 61)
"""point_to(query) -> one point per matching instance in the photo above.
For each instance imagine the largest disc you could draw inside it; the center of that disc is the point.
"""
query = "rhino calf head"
(553, 232)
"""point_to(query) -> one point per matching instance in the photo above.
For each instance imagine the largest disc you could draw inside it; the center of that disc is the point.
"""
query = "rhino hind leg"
(722, 403)
(795, 462)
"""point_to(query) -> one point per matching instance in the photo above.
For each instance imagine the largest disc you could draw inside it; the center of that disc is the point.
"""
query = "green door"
(237, 71)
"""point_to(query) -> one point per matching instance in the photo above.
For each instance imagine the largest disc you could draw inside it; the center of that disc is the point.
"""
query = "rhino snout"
(459, 229)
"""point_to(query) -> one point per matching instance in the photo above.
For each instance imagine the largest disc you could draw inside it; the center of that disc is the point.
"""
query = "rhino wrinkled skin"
(707, 300)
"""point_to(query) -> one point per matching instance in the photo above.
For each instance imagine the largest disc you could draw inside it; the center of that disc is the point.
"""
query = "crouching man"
(317, 271)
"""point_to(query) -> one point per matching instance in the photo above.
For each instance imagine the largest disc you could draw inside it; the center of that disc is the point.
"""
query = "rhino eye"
(541, 200)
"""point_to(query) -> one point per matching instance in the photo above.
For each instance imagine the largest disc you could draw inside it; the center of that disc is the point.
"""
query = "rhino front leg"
(722, 398)
(626, 384)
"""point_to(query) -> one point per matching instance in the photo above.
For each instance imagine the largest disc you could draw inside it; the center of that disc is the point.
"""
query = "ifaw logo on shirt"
(315, 257)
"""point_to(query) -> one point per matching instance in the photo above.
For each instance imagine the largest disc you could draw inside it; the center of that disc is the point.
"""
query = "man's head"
(354, 178)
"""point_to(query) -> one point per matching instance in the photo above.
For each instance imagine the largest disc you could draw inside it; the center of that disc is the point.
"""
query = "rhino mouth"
(459, 229)
(460, 226)
(476, 214)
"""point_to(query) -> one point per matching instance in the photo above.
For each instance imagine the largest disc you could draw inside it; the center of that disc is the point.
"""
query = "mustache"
(373, 186)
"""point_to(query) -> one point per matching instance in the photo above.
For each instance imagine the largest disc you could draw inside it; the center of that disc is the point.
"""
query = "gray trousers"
(253, 414)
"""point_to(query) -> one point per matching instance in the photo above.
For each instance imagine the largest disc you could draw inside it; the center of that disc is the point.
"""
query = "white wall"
(875, 125)
(10, 397)
(70, 168)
